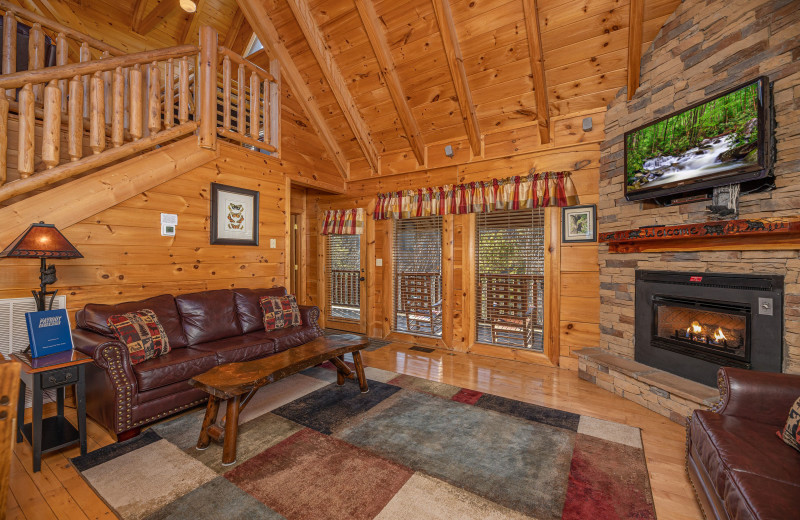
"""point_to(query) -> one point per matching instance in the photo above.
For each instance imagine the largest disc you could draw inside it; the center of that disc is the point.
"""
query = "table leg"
(342, 370)
(20, 410)
(231, 431)
(80, 406)
(211, 417)
(60, 401)
(362, 378)
(36, 423)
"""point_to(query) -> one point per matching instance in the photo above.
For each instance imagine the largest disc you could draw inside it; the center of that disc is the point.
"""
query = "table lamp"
(42, 241)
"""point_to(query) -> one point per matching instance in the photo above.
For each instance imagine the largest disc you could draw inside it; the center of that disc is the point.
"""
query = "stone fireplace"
(692, 323)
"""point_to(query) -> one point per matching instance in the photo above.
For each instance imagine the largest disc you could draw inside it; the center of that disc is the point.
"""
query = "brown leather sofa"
(205, 329)
(739, 468)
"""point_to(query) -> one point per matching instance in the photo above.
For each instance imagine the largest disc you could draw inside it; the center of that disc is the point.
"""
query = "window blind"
(509, 278)
(417, 276)
(343, 270)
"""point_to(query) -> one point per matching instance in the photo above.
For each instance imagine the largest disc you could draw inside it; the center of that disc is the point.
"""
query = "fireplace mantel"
(725, 235)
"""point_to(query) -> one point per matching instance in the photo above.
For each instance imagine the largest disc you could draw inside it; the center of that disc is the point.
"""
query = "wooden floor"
(58, 492)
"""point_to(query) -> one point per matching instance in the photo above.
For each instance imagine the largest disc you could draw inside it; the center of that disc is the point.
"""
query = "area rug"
(408, 449)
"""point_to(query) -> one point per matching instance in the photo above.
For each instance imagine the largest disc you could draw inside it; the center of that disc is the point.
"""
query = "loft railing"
(60, 121)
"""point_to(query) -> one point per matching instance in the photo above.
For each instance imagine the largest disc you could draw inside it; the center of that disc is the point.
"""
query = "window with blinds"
(343, 271)
(417, 273)
(509, 278)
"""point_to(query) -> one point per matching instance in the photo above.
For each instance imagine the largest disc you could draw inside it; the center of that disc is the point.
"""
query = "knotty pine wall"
(575, 325)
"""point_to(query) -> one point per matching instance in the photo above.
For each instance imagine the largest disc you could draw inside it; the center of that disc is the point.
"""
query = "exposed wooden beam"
(233, 31)
(455, 62)
(162, 9)
(257, 17)
(380, 47)
(635, 23)
(138, 13)
(536, 54)
(316, 41)
(190, 27)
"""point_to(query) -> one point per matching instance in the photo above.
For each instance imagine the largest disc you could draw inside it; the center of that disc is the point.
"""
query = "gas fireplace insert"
(690, 324)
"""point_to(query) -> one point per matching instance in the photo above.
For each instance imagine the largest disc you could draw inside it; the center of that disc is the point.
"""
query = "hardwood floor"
(59, 492)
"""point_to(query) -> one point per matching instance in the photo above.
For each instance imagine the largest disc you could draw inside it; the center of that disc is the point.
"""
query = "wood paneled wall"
(576, 322)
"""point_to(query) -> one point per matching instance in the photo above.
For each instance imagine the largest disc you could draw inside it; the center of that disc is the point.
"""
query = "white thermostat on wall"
(167, 230)
(168, 223)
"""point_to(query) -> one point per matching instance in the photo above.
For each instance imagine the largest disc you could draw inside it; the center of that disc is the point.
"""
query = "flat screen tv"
(721, 140)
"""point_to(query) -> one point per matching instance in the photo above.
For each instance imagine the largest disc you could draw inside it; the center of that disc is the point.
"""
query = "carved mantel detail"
(745, 234)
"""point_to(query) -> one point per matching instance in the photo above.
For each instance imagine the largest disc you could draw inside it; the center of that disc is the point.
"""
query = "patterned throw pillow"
(280, 312)
(791, 432)
(142, 333)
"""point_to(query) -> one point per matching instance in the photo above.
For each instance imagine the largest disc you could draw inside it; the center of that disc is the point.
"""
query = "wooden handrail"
(59, 28)
(263, 74)
(34, 77)
(229, 134)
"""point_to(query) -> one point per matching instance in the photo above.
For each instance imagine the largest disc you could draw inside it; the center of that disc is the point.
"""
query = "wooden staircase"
(79, 136)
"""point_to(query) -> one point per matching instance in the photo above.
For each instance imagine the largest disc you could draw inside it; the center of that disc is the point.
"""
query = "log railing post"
(27, 121)
(183, 91)
(108, 77)
(97, 115)
(255, 97)
(10, 48)
(62, 59)
(75, 131)
(169, 94)
(241, 100)
(85, 55)
(207, 132)
(3, 137)
(51, 126)
(275, 105)
(118, 109)
(135, 79)
(226, 93)
(267, 108)
(36, 56)
(154, 100)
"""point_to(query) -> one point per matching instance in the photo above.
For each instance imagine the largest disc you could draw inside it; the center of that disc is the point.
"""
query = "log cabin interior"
(487, 259)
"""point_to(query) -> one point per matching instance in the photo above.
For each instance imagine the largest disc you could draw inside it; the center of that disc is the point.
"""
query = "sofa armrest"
(310, 316)
(764, 397)
(109, 354)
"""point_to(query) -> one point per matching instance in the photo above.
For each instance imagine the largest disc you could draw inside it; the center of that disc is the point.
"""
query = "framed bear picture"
(579, 224)
(234, 215)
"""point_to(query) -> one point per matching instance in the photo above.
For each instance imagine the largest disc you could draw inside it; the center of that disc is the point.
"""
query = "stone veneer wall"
(705, 47)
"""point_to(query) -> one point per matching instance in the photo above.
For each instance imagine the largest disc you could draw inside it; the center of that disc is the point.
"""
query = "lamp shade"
(41, 241)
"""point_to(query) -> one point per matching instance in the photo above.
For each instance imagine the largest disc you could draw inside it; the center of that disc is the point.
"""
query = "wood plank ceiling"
(584, 47)
(392, 81)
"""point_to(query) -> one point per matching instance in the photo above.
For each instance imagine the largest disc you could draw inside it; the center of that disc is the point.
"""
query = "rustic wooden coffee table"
(236, 383)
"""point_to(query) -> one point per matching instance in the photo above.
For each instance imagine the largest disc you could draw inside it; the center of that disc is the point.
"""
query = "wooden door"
(345, 281)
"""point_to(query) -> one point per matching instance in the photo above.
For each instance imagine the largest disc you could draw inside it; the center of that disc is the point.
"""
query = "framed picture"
(579, 224)
(234, 216)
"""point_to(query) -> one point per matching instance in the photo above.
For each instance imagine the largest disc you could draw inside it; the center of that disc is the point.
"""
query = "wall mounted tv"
(721, 140)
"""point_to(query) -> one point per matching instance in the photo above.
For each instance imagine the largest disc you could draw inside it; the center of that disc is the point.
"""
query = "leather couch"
(739, 468)
(205, 329)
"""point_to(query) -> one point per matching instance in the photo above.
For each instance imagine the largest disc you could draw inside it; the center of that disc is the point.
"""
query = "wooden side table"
(56, 371)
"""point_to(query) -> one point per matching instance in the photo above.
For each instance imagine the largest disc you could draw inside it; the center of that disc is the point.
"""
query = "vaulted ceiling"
(389, 76)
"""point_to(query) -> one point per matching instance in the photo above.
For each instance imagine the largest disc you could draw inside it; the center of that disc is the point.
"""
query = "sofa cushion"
(178, 365)
(240, 348)
(208, 315)
(280, 312)
(142, 333)
(726, 443)
(791, 432)
(251, 317)
(291, 336)
(755, 496)
(95, 316)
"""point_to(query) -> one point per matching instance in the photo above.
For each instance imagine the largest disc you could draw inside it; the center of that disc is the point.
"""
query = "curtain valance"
(518, 192)
(343, 222)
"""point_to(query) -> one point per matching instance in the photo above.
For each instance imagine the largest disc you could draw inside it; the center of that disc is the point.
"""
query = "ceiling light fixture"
(188, 5)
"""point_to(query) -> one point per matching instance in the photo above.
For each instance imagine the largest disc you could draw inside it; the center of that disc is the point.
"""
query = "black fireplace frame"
(746, 292)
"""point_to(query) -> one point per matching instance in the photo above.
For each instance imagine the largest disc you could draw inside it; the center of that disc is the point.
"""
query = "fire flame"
(695, 328)
(719, 335)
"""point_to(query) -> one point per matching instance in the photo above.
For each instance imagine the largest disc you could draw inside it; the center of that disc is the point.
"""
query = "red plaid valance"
(343, 222)
(518, 192)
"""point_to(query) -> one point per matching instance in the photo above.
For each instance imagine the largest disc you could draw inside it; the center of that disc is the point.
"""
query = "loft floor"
(58, 492)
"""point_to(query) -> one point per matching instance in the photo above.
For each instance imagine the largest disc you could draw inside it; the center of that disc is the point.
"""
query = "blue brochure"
(49, 332)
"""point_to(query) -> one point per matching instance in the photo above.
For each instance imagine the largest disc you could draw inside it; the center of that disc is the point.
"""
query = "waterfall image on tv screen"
(718, 136)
